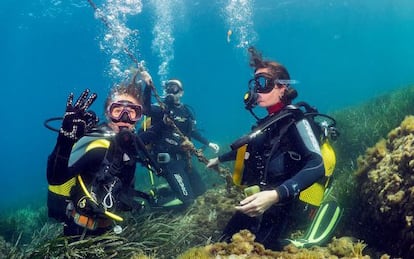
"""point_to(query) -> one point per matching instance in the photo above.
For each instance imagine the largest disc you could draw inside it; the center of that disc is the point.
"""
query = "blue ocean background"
(342, 52)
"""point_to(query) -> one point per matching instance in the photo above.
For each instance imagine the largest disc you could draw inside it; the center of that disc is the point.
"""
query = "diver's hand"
(87, 206)
(256, 204)
(77, 119)
(146, 77)
(187, 145)
(214, 146)
(213, 162)
(125, 140)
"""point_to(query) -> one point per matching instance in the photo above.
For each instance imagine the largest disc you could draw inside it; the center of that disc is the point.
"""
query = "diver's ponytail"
(289, 95)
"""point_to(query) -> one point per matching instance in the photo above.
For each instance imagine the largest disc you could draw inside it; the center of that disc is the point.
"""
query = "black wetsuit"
(91, 166)
(184, 180)
(288, 166)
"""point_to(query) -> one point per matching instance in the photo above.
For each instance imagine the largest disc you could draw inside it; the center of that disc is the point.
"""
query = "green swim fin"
(322, 227)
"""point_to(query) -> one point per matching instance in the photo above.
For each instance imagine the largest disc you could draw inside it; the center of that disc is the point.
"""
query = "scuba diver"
(91, 170)
(279, 159)
(175, 125)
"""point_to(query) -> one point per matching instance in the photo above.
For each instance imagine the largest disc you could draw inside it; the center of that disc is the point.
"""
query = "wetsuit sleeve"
(313, 169)
(197, 136)
(147, 100)
(229, 156)
(57, 164)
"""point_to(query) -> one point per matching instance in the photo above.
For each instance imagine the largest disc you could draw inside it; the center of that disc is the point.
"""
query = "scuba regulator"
(250, 101)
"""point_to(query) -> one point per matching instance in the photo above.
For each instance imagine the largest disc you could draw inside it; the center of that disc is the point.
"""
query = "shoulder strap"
(287, 112)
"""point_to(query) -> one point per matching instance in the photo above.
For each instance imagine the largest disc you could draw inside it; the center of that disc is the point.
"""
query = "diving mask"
(173, 86)
(124, 111)
(262, 83)
(172, 89)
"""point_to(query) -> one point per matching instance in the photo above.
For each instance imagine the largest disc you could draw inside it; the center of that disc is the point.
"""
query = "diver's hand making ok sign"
(77, 119)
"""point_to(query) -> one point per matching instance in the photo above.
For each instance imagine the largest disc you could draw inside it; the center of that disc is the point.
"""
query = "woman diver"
(279, 162)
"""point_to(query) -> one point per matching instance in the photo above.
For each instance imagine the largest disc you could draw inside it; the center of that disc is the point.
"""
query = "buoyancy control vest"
(324, 129)
(100, 191)
(60, 195)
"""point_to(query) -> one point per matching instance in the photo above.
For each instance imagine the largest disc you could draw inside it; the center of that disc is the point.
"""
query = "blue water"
(342, 52)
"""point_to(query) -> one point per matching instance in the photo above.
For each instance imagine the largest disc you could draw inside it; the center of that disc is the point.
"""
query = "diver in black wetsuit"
(282, 159)
(91, 178)
(168, 147)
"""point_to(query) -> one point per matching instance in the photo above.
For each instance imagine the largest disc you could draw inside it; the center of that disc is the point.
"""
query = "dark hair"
(131, 88)
(277, 70)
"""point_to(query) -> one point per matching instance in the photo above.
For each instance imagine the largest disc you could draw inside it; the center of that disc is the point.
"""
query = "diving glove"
(125, 141)
(214, 146)
(213, 162)
(146, 77)
(77, 119)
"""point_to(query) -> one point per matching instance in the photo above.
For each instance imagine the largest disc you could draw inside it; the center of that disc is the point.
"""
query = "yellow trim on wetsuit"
(99, 143)
(63, 189)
